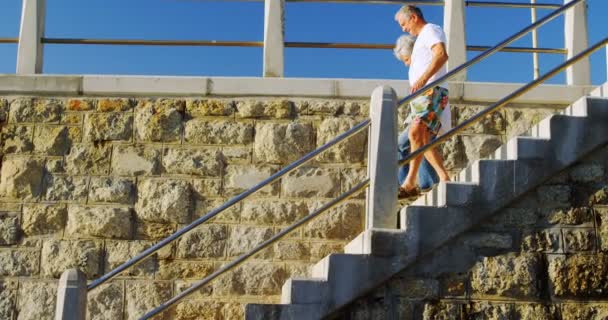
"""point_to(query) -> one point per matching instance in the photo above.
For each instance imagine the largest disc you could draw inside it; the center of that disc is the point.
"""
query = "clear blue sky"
(313, 22)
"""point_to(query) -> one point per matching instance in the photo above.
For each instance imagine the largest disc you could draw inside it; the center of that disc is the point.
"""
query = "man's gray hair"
(408, 10)
(404, 46)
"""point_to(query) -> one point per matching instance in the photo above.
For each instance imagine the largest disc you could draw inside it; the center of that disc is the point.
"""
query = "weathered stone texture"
(8, 298)
(587, 172)
(507, 275)
(229, 215)
(66, 188)
(442, 311)
(159, 120)
(81, 104)
(176, 269)
(554, 196)
(111, 190)
(579, 240)
(114, 105)
(568, 216)
(239, 178)
(291, 250)
(282, 142)
(352, 150)
(119, 252)
(198, 162)
(206, 241)
(256, 278)
(272, 212)
(135, 160)
(603, 228)
(277, 109)
(142, 297)
(542, 241)
(4, 110)
(21, 178)
(19, 263)
(52, 140)
(312, 182)
(9, 229)
(100, 222)
(43, 219)
(587, 311)
(58, 256)
(244, 238)
(211, 107)
(489, 311)
(494, 123)
(37, 300)
(16, 139)
(237, 155)
(480, 146)
(520, 120)
(192, 310)
(415, 288)
(579, 275)
(202, 131)
(106, 302)
(163, 201)
(343, 222)
(88, 159)
(108, 126)
(36, 110)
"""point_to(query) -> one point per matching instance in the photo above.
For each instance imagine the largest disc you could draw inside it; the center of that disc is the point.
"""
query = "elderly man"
(428, 112)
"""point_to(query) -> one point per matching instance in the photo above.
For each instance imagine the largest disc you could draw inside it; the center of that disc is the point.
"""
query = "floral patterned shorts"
(428, 108)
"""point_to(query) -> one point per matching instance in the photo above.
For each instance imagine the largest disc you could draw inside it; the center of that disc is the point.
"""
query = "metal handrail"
(309, 156)
(426, 3)
(504, 101)
(9, 40)
(233, 264)
(294, 165)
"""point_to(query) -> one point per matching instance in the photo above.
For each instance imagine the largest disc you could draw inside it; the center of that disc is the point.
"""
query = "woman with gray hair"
(427, 176)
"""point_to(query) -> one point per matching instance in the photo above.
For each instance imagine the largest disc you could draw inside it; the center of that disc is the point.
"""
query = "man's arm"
(440, 57)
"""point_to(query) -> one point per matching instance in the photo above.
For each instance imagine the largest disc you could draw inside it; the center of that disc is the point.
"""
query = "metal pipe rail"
(502, 4)
(263, 245)
(583, 54)
(9, 40)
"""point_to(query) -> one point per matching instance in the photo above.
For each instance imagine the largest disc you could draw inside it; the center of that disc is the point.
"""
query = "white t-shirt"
(422, 56)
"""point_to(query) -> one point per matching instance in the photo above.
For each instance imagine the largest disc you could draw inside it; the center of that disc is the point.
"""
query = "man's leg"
(417, 131)
(435, 159)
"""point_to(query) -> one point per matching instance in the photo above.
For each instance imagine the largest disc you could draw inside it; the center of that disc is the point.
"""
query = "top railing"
(32, 39)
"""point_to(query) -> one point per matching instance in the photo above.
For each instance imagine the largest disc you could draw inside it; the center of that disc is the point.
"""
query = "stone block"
(454, 153)
(203, 188)
(507, 275)
(255, 278)
(602, 228)
(351, 150)
(274, 109)
(9, 229)
(98, 222)
(535, 311)
(21, 178)
(341, 223)
(209, 107)
(351, 177)
(36, 110)
(415, 288)
(587, 172)
(111, 190)
(178, 269)
(8, 298)
(521, 119)
(39, 219)
(163, 201)
(142, 297)
(119, 252)
(542, 241)
(224, 132)
(88, 159)
(72, 118)
(442, 311)
(16, 139)
(80, 104)
(108, 126)
(323, 107)
(159, 120)
(206, 241)
(54, 166)
(194, 309)
(310, 182)
(282, 142)
(514, 218)
(52, 140)
(586, 311)
(19, 263)
(106, 301)
(237, 155)
(198, 162)
(489, 240)
(554, 196)
(205, 206)
(495, 123)
(578, 276)
(318, 250)
(480, 146)
(244, 238)
(66, 188)
(136, 160)
(240, 178)
(273, 212)
(484, 310)
(4, 110)
(579, 240)
(291, 251)
(42, 295)
(58, 256)
(572, 216)
(153, 231)
(202, 293)
(114, 104)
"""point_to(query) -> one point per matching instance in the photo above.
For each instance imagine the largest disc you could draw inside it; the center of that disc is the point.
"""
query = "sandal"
(408, 194)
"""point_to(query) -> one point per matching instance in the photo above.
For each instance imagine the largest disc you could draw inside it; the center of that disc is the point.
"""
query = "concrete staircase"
(448, 210)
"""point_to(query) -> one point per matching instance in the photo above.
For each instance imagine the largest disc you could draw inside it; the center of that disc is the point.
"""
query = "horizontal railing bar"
(291, 44)
(421, 3)
(494, 107)
(9, 40)
(294, 165)
(242, 258)
(512, 4)
(418, 2)
(488, 52)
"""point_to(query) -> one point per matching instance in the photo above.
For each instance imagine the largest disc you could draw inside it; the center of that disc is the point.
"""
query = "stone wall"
(90, 182)
(543, 257)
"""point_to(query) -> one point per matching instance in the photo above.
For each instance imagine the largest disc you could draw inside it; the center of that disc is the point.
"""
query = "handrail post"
(29, 52)
(576, 39)
(454, 24)
(274, 34)
(71, 296)
(381, 206)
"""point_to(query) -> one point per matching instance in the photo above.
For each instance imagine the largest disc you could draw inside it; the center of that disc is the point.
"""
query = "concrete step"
(448, 194)
(520, 148)
(304, 291)
(282, 312)
(380, 243)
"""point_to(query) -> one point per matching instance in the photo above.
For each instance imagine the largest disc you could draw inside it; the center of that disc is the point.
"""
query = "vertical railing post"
(274, 34)
(71, 296)
(576, 39)
(454, 25)
(29, 52)
(381, 206)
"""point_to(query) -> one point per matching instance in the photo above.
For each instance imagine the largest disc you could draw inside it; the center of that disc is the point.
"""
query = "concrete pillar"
(274, 34)
(381, 206)
(29, 52)
(71, 296)
(454, 27)
(576, 41)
